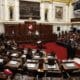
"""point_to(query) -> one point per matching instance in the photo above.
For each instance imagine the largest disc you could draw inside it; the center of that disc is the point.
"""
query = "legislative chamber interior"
(39, 39)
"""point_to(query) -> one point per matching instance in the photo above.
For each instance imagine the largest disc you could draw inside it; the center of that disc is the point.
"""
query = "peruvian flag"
(30, 27)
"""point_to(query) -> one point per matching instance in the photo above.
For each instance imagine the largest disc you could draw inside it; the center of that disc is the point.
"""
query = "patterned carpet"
(25, 77)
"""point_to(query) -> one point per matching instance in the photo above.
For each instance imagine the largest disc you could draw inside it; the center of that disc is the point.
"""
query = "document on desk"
(52, 66)
(14, 54)
(31, 65)
(13, 62)
(77, 60)
(51, 57)
(1, 60)
(70, 64)
(24, 56)
(37, 57)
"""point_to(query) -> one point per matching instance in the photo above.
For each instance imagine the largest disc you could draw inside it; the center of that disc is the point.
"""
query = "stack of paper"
(50, 57)
(1, 60)
(77, 60)
(23, 56)
(51, 66)
(14, 54)
(70, 65)
(36, 56)
(13, 62)
(31, 65)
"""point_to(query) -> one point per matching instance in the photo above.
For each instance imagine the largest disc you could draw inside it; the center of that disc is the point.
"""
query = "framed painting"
(59, 12)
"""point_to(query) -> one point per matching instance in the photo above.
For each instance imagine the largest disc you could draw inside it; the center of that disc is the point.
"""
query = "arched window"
(11, 12)
(46, 14)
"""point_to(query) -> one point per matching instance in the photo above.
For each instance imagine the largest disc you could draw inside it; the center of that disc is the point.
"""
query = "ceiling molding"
(61, 1)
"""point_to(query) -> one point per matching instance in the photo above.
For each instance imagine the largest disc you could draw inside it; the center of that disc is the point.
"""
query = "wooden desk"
(3, 76)
(52, 67)
(70, 66)
(32, 61)
(53, 71)
(13, 64)
(31, 66)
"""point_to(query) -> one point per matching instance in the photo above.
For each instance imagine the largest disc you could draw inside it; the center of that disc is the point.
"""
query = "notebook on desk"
(51, 57)
(14, 54)
(70, 65)
(1, 60)
(37, 57)
(31, 65)
(77, 60)
(13, 62)
(52, 66)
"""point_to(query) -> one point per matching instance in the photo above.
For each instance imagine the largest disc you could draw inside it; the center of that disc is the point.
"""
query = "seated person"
(41, 62)
(39, 53)
(29, 54)
(39, 44)
(51, 55)
(51, 61)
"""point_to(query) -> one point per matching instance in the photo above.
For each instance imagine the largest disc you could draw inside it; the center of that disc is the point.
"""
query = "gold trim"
(61, 1)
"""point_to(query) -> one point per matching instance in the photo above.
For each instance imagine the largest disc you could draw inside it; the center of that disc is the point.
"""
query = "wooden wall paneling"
(6, 30)
(12, 29)
(21, 29)
(26, 31)
(20, 32)
(16, 29)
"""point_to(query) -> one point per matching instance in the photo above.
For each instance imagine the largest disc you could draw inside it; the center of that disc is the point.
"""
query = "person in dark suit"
(29, 54)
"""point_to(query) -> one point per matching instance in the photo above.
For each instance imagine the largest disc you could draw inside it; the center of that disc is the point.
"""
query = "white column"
(16, 10)
(1, 10)
(50, 12)
(6, 10)
(71, 14)
(53, 12)
(42, 12)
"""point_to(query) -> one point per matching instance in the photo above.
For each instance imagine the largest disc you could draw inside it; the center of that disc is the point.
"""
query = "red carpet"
(60, 51)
